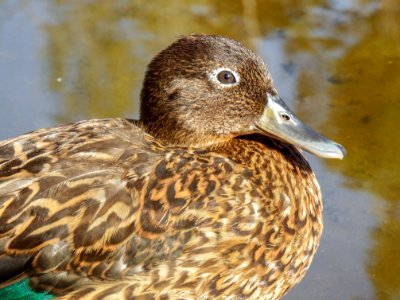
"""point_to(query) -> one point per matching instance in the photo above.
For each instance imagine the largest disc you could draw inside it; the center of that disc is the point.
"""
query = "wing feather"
(68, 184)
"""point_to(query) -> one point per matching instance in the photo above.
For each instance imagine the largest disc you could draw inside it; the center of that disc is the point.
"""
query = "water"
(336, 63)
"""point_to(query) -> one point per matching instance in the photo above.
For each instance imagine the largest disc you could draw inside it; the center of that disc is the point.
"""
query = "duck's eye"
(226, 77)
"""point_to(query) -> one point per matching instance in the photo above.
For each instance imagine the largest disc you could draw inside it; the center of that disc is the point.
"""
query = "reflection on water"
(337, 62)
(92, 60)
(368, 81)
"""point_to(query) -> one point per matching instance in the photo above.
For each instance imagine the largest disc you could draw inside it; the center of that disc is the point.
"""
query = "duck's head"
(206, 89)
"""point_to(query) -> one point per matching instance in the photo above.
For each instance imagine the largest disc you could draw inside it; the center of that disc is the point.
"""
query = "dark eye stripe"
(226, 77)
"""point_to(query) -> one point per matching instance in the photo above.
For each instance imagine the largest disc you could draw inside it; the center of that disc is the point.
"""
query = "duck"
(206, 196)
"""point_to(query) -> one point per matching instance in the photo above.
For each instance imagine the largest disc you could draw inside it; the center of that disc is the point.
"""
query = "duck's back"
(87, 203)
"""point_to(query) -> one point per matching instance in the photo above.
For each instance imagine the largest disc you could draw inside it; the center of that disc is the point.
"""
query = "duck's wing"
(101, 199)
(69, 191)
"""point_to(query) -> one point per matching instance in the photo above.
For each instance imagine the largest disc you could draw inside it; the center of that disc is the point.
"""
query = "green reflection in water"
(367, 89)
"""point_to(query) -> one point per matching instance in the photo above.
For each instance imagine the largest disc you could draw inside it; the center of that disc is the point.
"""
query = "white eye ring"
(214, 77)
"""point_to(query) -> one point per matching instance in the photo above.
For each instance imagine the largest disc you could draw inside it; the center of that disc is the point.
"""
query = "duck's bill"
(279, 122)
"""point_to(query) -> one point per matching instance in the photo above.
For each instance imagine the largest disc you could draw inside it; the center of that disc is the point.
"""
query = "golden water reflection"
(367, 94)
(98, 51)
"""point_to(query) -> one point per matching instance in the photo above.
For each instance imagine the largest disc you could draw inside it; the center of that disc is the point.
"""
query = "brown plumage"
(193, 201)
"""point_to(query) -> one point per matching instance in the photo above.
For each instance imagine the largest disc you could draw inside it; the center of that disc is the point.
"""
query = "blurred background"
(335, 62)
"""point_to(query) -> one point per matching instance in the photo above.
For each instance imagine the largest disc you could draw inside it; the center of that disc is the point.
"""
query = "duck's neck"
(280, 166)
(170, 135)
(264, 153)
